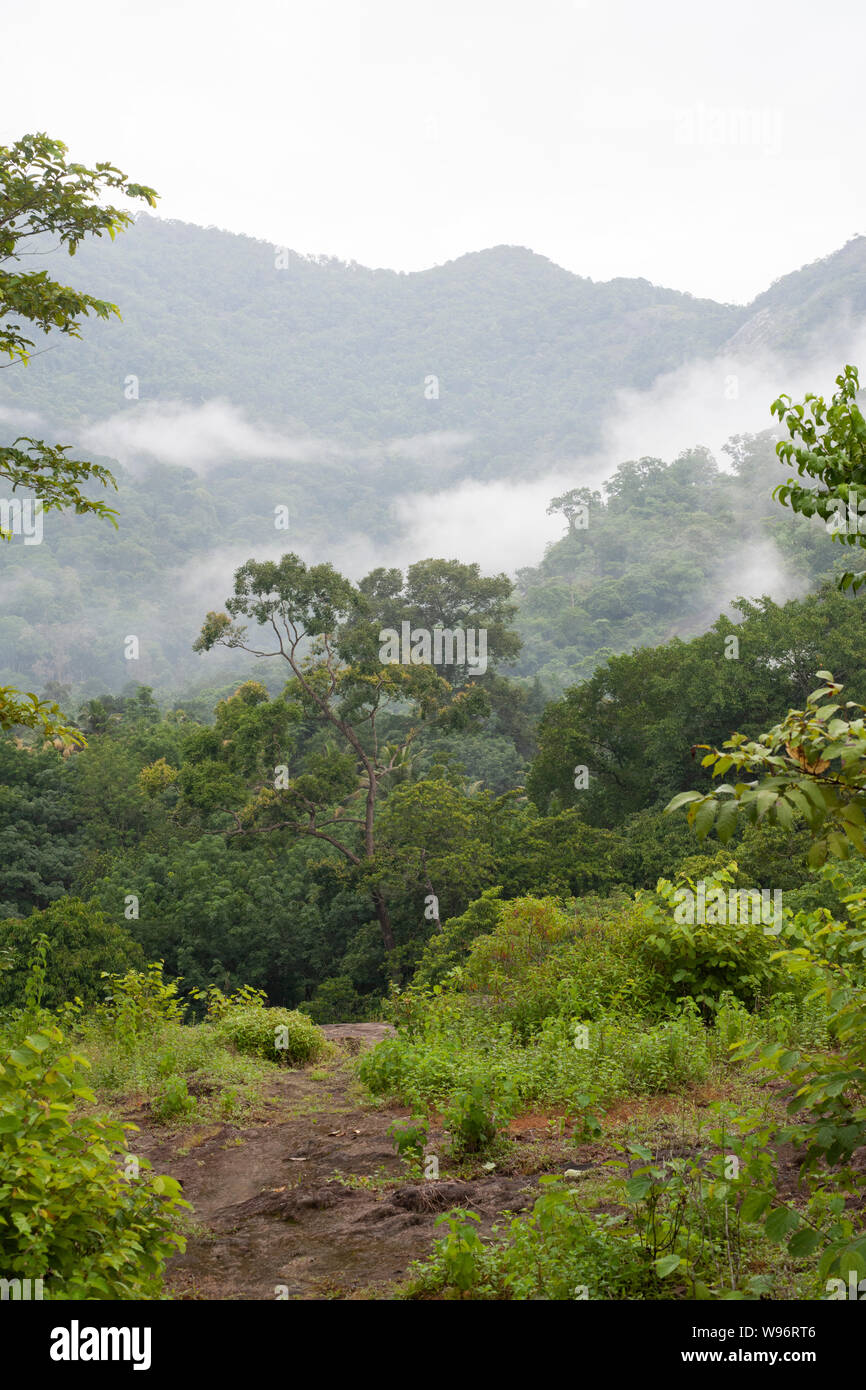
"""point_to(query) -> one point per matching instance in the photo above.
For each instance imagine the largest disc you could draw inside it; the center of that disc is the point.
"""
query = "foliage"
(832, 451)
(814, 766)
(708, 960)
(70, 1213)
(475, 1114)
(409, 1137)
(559, 1252)
(40, 192)
(83, 945)
(279, 1035)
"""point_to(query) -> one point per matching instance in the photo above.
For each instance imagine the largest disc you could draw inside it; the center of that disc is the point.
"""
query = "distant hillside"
(528, 358)
(526, 354)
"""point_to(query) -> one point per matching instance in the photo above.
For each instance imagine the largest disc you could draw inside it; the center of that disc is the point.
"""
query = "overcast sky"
(711, 148)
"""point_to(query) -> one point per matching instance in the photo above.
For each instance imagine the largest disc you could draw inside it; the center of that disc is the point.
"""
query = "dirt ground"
(311, 1201)
(281, 1208)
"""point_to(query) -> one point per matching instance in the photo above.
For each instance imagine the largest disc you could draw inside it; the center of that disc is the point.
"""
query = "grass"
(187, 1075)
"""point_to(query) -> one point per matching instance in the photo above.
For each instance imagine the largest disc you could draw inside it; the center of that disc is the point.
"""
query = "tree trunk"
(384, 919)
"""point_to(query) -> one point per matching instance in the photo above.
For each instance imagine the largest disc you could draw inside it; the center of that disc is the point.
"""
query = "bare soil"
(312, 1202)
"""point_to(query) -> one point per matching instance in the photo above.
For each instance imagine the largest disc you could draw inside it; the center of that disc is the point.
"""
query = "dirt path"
(297, 1206)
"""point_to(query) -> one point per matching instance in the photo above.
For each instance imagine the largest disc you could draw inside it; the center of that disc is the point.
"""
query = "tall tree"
(43, 194)
(327, 632)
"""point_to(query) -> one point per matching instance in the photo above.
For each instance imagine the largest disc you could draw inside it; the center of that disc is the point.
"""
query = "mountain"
(335, 389)
(526, 354)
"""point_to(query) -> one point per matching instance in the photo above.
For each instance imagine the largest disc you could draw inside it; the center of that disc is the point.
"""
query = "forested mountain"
(526, 354)
(665, 549)
(311, 384)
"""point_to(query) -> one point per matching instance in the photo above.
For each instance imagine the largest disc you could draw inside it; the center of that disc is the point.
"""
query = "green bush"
(82, 944)
(448, 949)
(707, 959)
(173, 1100)
(337, 1001)
(556, 1252)
(475, 1116)
(69, 1214)
(667, 1057)
(542, 959)
(409, 1137)
(217, 1004)
(279, 1035)
(139, 1001)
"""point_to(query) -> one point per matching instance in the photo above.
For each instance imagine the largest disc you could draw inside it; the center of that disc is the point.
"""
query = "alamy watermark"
(22, 516)
(23, 1290)
(731, 126)
(738, 906)
(847, 520)
(442, 646)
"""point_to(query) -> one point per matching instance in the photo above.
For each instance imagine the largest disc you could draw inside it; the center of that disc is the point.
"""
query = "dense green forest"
(486, 868)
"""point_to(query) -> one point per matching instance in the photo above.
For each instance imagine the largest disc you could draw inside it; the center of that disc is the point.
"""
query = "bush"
(475, 1116)
(70, 1214)
(409, 1137)
(83, 943)
(556, 1252)
(543, 960)
(707, 959)
(337, 1001)
(448, 949)
(279, 1035)
(668, 1057)
(173, 1100)
(139, 1001)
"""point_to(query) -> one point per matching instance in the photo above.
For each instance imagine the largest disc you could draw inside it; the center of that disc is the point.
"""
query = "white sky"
(710, 148)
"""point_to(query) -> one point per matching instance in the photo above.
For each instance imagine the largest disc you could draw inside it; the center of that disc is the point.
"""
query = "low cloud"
(705, 403)
(503, 525)
(203, 437)
(197, 437)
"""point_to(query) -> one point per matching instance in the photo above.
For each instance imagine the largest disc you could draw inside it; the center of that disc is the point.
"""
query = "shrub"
(82, 943)
(556, 1252)
(337, 1001)
(409, 1137)
(475, 1115)
(447, 950)
(279, 1035)
(70, 1215)
(542, 960)
(173, 1100)
(217, 1004)
(707, 959)
(138, 1003)
(668, 1057)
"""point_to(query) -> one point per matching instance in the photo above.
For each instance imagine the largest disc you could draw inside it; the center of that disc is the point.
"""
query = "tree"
(321, 627)
(575, 506)
(450, 595)
(82, 941)
(42, 194)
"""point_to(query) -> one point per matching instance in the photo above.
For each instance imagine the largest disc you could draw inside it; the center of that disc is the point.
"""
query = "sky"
(708, 148)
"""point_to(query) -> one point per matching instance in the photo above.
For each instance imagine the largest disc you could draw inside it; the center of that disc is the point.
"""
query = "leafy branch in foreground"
(833, 451)
(29, 712)
(42, 194)
(814, 766)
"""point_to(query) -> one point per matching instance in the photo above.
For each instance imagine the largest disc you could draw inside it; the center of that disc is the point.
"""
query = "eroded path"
(312, 1202)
